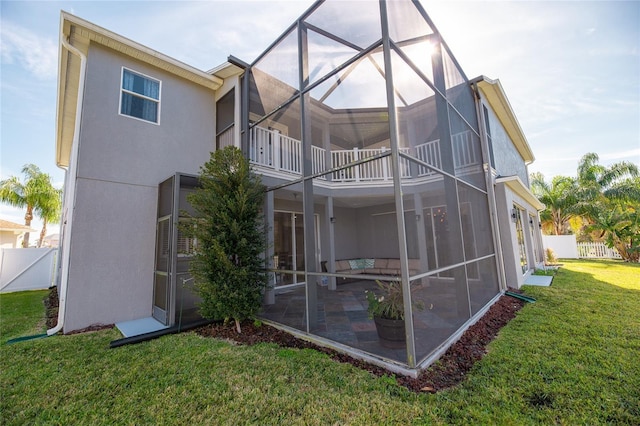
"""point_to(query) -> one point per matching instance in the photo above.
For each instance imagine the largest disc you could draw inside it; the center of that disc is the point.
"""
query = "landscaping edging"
(450, 370)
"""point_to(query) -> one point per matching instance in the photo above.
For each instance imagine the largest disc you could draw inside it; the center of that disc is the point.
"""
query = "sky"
(571, 69)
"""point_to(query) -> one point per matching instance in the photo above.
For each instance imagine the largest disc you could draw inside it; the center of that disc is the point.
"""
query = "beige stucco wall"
(121, 161)
(505, 199)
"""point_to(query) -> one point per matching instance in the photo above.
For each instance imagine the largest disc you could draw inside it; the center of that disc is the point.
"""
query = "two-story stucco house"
(382, 161)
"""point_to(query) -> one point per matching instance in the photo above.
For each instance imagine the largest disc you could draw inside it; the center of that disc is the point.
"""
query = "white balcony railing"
(464, 150)
(428, 152)
(272, 149)
(269, 148)
(226, 138)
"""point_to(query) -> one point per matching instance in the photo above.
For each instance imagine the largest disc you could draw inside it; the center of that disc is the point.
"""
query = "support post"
(331, 259)
(270, 292)
(395, 166)
(307, 185)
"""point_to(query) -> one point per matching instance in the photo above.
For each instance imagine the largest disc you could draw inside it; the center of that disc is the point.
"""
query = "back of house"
(381, 159)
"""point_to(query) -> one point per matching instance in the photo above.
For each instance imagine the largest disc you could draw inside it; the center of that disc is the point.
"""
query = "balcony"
(271, 150)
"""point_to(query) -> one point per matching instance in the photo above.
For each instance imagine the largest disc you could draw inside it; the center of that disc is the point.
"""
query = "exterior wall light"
(514, 215)
(332, 219)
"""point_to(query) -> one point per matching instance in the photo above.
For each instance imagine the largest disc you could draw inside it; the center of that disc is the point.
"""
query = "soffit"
(497, 99)
(84, 31)
(515, 184)
(68, 78)
(226, 70)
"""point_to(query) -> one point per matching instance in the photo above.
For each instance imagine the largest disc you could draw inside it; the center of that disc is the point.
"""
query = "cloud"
(205, 33)
(39, 55)
(631, 155)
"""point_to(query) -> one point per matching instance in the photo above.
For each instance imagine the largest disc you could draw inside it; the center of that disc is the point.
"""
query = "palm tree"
(36, 194)
(560, 200)
(615, 183)
(610, 201)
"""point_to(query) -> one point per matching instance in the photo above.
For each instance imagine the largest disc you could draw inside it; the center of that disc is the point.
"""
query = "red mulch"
(51, 305)
(451, 369)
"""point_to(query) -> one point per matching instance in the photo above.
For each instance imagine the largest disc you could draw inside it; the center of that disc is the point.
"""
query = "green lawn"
(570, 358)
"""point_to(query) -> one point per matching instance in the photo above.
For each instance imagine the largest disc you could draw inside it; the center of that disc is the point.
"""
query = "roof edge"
(497, 99)
(80, 33)
(226, 70)
(7, 225)
(117, 42)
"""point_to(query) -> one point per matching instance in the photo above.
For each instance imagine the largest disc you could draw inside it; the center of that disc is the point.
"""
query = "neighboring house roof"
(80, 33)
(52, 240)
(5, 225)
(497, 99)
(515, 184)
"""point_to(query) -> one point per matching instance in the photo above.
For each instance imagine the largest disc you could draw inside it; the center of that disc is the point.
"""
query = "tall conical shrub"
(228, 266)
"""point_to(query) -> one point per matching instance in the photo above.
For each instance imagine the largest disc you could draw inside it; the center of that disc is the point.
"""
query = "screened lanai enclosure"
(365, 131)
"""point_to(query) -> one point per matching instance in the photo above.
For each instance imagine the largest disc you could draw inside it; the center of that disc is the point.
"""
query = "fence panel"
(27, 269)
(597, 251)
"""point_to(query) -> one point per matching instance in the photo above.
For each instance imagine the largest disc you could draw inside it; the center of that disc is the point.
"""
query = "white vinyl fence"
(566, 247)
(27, 269)
(597, 251)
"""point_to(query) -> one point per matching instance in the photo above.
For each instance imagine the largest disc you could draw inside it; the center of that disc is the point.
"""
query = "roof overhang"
(6, 226)
(515, 184)
(494, 94)
(81, 34)
(232, 67)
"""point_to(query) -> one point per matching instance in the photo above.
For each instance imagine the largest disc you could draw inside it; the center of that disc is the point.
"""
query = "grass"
(21, 314)
(545, 272)
(569, 358)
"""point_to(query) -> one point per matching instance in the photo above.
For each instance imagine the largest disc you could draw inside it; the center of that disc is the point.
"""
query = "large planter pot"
(390, 331)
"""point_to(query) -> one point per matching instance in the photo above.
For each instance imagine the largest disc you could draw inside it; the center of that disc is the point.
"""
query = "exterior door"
(520, 235)
(164, 249)
(161, 285)
(535, 242)
(174, 300)
(288, 247)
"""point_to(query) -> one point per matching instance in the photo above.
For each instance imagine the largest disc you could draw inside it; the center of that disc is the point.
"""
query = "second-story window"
(489, 138)
(140, 96)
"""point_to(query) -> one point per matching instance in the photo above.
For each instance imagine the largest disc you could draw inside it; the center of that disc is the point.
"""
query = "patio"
(343, 317)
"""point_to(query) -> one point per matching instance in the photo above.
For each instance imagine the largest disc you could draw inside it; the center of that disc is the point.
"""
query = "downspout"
(73, 169)
(484, 143)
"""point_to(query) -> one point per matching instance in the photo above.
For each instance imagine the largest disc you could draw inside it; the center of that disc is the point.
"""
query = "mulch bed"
(51, 304)
(450, 370)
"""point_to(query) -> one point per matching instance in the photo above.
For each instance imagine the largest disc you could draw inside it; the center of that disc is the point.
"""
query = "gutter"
(73, 168)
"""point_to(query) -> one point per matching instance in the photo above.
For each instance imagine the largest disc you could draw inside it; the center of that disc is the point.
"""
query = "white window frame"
(123, 90)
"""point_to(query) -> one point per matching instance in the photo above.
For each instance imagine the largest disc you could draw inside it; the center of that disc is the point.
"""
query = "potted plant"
(387, 310)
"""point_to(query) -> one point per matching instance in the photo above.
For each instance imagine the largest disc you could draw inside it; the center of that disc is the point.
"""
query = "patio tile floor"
(342, 317)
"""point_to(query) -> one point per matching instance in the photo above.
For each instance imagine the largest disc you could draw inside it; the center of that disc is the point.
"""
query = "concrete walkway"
(540, 280)
(139, 326)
